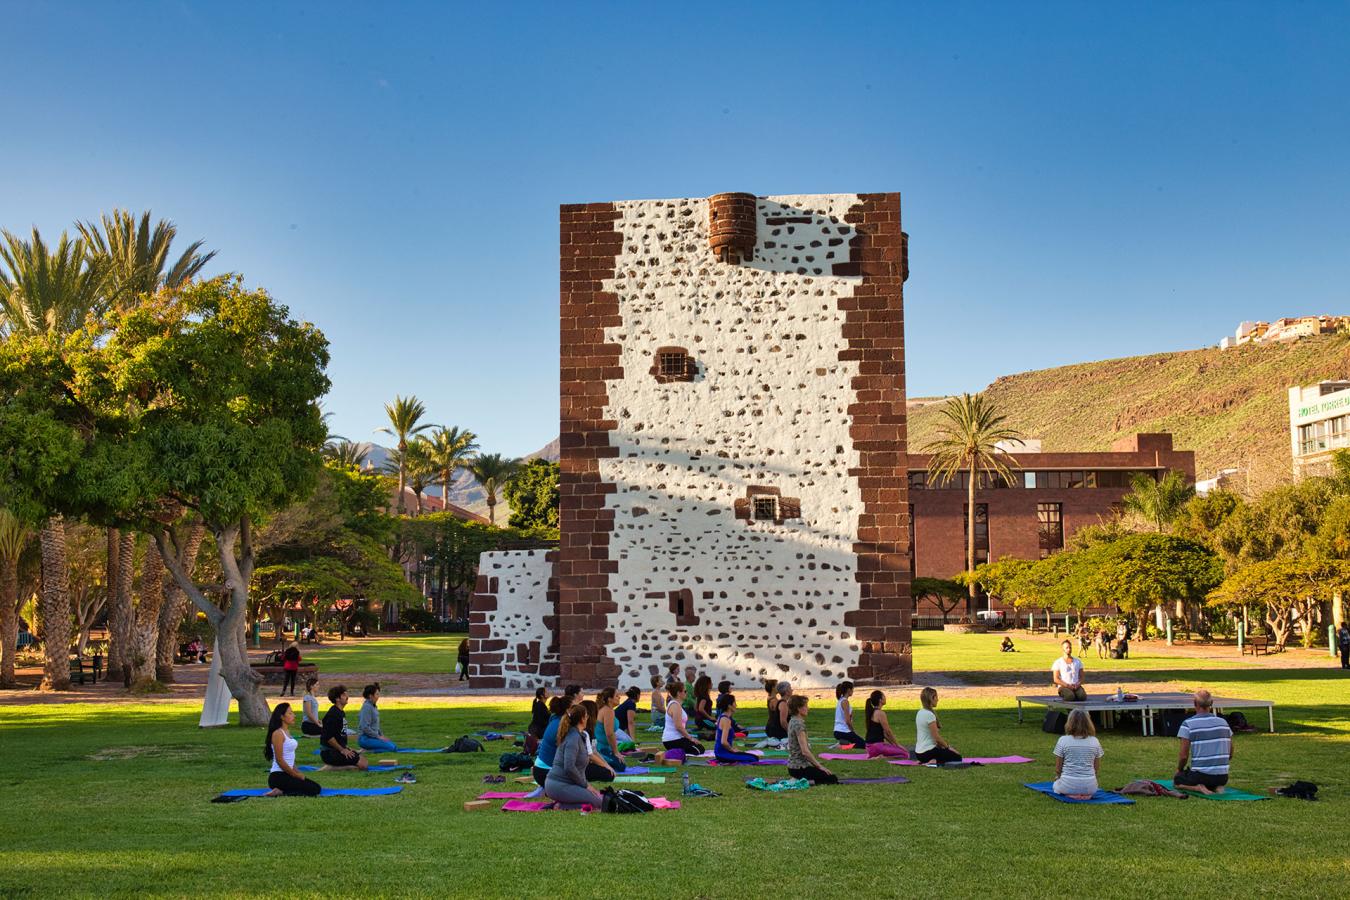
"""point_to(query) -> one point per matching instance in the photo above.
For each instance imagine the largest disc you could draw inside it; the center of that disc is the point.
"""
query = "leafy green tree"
(1199, 520)
(1000, 578)
(405, 422)
(49, 293)
(1284, 588)
(493, 472)
(346, 453)
(1158, 501)
(1279, 524)
(1141, 571)
(453, 547)
(967, 439)
(533, 495)
(944, 593)
(227, 426)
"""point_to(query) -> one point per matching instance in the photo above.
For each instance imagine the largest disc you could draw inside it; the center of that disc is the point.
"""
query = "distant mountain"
(550, 451)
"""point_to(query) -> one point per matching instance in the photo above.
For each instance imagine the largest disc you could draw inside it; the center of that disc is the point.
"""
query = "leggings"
(814, 775)
(595, 772)
(891, 750)
(540, 775)
(333, 757)
(292, 786)
(725, 754)
(309, 728)
(1073, 693)
(849, 737)
(939, 755)
(568, 794)
(289, 682)
(1189, 777)
(377, 745)
(690, 747)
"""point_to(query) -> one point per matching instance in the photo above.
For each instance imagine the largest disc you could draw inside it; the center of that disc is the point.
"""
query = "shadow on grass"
(1036, 679)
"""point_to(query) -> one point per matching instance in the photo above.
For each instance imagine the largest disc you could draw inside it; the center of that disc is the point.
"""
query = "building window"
(682, 605)
(673, 364)
(767, 504)
(981, 531)
(918, 481)
(1050, 526)
(913, 567)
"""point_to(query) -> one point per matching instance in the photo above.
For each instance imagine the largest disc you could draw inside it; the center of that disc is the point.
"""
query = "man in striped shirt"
(1206, 749)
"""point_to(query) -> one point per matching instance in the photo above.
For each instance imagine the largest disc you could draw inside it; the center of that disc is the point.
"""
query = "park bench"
(80, 669)
(1256, 646)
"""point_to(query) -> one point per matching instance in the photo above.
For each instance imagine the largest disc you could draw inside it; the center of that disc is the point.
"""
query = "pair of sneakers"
(406, 778)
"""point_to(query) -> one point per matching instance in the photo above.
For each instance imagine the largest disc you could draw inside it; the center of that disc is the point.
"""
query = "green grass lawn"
(106, 801)
(419, 654)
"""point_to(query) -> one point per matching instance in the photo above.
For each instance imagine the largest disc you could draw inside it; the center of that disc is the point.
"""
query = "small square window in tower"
(766, 508)
(672, 364)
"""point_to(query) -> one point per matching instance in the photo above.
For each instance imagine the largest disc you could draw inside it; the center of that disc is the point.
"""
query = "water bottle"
(1120, 694)
(684, 780)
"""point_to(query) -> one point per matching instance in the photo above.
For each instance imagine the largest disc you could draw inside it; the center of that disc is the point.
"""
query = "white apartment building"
(1319, 422)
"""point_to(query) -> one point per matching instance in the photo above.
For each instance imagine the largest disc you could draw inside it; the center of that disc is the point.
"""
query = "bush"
(419, 620)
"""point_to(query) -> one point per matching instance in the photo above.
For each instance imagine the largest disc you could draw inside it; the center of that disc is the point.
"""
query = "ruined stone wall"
(512, 635)
(733, 443)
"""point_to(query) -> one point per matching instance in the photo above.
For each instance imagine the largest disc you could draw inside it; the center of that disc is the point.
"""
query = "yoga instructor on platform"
(1068, 674)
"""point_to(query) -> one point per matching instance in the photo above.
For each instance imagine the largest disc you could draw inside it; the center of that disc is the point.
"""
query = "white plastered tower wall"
(767, 408)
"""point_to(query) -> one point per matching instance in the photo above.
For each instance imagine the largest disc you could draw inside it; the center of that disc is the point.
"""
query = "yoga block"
(660, 759)
(471, 805)
(387, 762)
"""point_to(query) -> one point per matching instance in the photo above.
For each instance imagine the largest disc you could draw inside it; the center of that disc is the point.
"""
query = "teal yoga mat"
(1229, 793)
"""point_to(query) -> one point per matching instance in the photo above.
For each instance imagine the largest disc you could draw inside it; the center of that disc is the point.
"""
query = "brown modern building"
(1050, 496)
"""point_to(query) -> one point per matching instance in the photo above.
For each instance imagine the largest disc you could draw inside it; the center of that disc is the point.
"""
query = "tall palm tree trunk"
(120, 614)
(970, 535)
(54, 604)
(492, 507)
(145, 622)
(175, 608)
(9, 617)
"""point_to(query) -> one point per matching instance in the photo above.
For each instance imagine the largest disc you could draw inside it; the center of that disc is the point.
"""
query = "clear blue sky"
(1080, 181)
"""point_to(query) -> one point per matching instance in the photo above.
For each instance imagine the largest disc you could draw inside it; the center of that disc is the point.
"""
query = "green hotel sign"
(1325, 407)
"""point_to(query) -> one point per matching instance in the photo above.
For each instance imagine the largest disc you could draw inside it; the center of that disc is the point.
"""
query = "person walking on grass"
(290, 666)
(1067, 673)
(1206, 749)
(1078, 758)
(279, 750)
(1343, 642)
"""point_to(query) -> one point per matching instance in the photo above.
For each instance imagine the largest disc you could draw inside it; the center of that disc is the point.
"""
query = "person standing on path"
(1343, 641)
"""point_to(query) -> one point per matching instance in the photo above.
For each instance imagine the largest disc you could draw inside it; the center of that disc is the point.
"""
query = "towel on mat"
(894, 779)
(1048, 788)
(981, 760)
(1229, 793)
(326, 792)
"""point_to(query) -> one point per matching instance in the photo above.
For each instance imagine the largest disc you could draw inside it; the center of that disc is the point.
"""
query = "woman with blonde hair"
(1078, 758)
(566, 782)
(929, 744)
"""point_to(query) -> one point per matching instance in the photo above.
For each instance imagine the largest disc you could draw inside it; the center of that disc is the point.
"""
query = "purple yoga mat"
(982, 760)
(852, 757)
(503, 795)
(545, 805)
(894, 779)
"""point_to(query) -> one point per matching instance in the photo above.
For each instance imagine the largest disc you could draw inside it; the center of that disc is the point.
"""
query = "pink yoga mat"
(855, 757)
(504, 795)
(982, 760)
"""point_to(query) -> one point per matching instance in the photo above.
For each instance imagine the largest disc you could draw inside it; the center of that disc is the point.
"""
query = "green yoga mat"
(1229, 793)
(639, 779)
(657, 770)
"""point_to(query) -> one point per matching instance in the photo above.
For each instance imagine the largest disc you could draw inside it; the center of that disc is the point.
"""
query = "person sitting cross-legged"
(333, 748)
(369, 734)
(1206, 749)
(1067, 673)
(1078, 757)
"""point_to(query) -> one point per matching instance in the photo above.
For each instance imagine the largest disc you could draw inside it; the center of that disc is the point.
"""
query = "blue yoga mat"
(371, 769)
(326, 792)
(1047, 788)
(399, 750)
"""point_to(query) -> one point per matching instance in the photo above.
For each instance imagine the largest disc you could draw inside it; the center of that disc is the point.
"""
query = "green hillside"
(1231, 406)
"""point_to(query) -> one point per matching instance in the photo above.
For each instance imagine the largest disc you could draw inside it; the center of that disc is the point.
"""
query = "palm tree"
(449, 450)
(346, 453)
(967, 439)
(49, 291)
(405, 421)
(1158, 500)
(137, 256)
(421, 473)
(13, 536)
(493, 471)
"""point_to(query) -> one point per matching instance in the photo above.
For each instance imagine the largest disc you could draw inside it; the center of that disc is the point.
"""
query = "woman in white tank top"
(674, 735)
(843, 716)
(279, 749)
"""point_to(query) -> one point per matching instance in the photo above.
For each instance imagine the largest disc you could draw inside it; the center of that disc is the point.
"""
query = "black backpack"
(464, 745)
(1054, 722)
(624, 801)
(514, 762)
